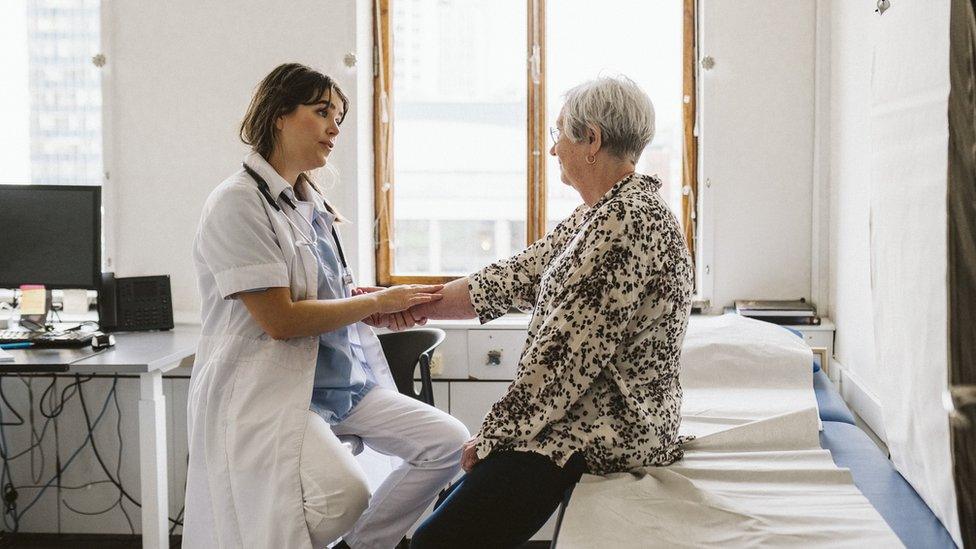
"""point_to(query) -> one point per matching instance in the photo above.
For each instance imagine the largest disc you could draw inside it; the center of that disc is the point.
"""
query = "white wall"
(181, 75)
(757, 134)
(890, 100)
(853, 36)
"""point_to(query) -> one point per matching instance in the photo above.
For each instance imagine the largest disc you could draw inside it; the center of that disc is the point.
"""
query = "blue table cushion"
(832, 406)
(875, 476)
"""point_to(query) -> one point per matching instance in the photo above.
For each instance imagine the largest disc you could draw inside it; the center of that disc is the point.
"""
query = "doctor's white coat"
(249, 394)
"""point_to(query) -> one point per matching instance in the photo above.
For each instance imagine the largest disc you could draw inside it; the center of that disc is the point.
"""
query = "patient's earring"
(591, 159)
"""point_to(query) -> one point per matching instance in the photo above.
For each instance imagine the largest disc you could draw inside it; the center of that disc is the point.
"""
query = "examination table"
(894, 499)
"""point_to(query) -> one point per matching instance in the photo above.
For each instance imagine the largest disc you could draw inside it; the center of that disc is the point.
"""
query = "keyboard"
(47, 340)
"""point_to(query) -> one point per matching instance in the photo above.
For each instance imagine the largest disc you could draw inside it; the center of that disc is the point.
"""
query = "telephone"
(136, 303)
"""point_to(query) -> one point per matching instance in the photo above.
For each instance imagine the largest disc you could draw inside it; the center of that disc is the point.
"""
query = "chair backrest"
(405, 351)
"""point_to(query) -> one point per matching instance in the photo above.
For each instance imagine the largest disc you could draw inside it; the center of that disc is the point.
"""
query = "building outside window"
(50, 100)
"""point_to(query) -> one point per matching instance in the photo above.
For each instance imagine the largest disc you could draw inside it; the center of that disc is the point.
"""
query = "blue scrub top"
(341, 377)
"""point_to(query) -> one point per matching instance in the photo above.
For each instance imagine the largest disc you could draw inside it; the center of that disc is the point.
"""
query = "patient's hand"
(419, 312)
(394, 321)
(377, 321)
(469, 454)
(403, 321)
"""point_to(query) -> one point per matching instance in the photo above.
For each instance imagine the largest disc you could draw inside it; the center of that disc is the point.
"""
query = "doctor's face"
(308, 134)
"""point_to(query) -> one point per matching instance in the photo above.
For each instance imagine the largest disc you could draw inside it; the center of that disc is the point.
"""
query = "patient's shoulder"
(635, 211)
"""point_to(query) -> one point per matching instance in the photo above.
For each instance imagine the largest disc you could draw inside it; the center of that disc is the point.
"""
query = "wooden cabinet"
(819, 336)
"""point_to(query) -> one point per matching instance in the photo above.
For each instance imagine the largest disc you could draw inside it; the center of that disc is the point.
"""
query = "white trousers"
(425, 438)
(334, 488)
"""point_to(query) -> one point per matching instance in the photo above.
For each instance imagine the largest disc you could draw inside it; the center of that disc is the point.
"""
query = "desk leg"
(152, 461)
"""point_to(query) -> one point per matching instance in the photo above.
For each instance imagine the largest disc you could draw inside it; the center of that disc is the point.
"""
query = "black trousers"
(502, 502)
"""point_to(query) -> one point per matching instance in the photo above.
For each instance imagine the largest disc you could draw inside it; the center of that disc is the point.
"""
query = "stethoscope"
(266, 192)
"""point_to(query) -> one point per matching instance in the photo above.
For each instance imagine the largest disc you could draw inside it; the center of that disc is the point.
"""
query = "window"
(465, 93)
(50, 101)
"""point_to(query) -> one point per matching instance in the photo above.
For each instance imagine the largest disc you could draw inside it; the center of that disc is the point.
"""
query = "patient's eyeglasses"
(554, 133)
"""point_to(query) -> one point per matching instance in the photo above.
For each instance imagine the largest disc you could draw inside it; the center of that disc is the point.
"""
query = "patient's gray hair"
(616, 105)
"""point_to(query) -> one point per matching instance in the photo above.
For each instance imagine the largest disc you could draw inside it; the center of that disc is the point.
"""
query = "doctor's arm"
(282, 318)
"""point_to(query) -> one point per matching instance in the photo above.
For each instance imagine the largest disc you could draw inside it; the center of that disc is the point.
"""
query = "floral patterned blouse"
(610, 288)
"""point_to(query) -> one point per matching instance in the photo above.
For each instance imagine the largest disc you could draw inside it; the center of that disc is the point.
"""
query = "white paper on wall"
(909, 144)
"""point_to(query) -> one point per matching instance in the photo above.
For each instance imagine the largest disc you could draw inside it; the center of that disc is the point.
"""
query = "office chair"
(405, 352)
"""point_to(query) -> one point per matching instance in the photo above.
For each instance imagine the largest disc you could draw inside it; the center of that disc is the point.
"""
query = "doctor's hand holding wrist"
(400, 298)
(283, 318)
(455, 305)
(400, 320)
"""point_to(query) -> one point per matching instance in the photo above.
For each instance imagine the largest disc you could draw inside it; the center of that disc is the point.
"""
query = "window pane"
(646, 46)
(51, 100)
(459, 140)
(414, 246)
(470, 244)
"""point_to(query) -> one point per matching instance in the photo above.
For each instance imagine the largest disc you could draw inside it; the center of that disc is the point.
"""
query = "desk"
(148, 355)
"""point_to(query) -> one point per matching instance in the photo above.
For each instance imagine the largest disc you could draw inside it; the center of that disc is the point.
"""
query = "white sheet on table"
(735, 370)
(755, 476)
(725, 493)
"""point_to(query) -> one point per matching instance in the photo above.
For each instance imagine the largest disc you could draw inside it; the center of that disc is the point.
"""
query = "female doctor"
(285, 362)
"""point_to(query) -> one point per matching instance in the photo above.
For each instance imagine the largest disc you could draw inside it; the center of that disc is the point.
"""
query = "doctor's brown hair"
(279, 94)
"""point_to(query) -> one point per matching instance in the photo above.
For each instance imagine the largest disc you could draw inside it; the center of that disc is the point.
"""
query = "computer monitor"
(50, 235)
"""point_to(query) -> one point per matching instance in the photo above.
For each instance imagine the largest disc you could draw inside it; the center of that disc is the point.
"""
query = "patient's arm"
(456, 303)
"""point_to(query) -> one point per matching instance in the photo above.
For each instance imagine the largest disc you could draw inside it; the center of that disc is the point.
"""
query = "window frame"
(537, 128)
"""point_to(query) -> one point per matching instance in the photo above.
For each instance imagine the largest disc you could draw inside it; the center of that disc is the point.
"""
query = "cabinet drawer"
(471, 400)
(494, 354)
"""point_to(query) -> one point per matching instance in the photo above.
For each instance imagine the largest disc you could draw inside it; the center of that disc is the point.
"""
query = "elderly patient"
(610, 288)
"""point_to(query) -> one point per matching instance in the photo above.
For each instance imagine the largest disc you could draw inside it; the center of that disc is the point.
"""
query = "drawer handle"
(494, 358)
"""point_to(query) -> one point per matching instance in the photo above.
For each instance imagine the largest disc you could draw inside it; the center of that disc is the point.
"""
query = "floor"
(871, 434)
(75, 541)
(86, 541)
